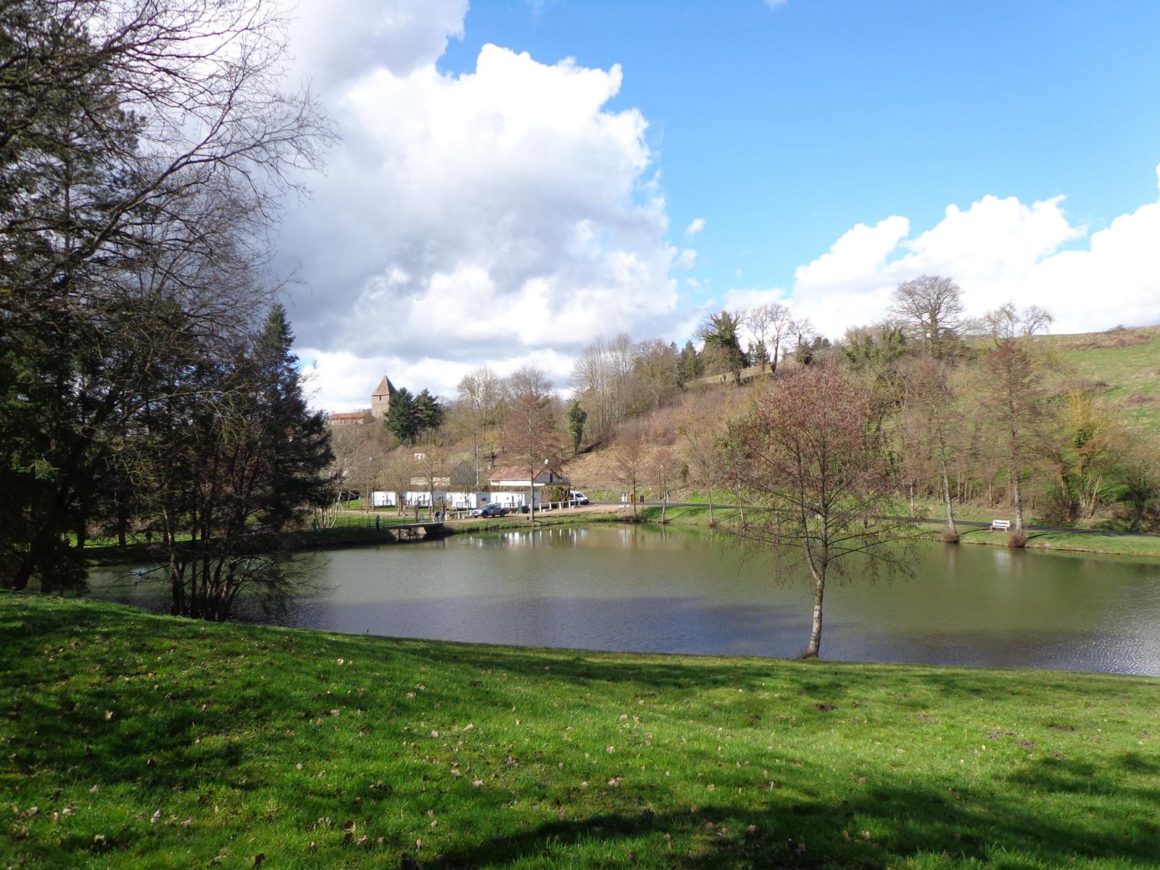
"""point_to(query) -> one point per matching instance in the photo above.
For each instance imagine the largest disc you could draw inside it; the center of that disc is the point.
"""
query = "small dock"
(418, 531)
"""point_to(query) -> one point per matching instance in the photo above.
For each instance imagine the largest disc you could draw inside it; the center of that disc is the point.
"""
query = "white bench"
(1000, 525)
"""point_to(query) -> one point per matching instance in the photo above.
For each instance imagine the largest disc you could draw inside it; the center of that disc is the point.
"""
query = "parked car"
(490, 510)
(577, 497)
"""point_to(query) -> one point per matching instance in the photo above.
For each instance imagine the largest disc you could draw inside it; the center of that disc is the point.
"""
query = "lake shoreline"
(1093, 542)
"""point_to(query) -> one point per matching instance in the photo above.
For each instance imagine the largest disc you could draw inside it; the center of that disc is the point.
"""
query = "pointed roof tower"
(381, 398)
(385, 388)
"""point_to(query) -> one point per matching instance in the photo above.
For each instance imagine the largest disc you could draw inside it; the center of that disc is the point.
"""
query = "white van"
(575, 497)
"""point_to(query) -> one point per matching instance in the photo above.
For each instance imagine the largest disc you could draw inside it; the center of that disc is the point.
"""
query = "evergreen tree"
(722, 349)
(402, 419)
(295, 442)
(412, 417)
(577, 417)
(690, 365)
(429, 412)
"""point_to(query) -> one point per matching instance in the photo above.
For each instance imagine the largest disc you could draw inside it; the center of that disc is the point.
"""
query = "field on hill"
(131, 740)
(1124, 364)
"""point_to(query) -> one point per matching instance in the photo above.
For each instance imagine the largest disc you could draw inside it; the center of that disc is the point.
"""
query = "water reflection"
(642, 589)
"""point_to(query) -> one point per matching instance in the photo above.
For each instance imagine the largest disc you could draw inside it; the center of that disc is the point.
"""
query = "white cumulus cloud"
(997, 250)
(501, 216)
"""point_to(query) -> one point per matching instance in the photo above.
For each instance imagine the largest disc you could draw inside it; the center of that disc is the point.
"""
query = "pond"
(647, 589)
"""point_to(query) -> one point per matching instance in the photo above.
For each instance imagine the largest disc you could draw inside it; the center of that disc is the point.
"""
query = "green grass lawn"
(132, 740)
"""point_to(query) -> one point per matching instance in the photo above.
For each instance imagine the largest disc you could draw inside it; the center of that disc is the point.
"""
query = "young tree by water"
(224, 456)
(697, 430)
(630, 454)
(1013, 397)
(664, 473)
(817, 466)
(531, 438)
(927, 424)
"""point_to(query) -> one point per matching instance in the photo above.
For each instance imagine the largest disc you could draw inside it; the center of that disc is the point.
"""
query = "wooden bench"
(1000, 525)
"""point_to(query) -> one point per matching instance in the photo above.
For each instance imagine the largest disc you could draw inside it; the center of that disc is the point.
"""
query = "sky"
(517, 179)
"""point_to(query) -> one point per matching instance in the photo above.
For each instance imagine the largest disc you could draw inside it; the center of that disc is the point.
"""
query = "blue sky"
(782, 128)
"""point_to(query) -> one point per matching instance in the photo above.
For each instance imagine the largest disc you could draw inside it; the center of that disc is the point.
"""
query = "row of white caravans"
(459, 501)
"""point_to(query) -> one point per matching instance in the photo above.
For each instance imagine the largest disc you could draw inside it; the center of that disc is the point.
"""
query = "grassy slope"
(134, 740)
(1126, 365)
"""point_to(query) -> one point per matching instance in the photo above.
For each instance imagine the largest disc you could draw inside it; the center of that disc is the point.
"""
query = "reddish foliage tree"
(816, 464)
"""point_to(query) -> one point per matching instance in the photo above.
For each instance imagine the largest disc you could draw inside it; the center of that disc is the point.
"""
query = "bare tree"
(931, 307)
(397, 470)
(478, 415)
(430, 460)
(733, 447)
(1013, 396)
(604, 379)
(818, 467)
(929, 412)
(532, 436)
(654, 375)
(663, 471)
(770, 323)
(631, 457)
(697, 430)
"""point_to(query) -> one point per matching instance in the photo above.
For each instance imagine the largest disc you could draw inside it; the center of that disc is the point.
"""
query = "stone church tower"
(381, 398)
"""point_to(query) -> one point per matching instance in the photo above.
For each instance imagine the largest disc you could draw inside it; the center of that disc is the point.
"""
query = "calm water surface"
(643, 589)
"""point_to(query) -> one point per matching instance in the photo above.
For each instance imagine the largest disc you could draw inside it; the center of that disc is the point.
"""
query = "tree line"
(970, 409)
(147, 380)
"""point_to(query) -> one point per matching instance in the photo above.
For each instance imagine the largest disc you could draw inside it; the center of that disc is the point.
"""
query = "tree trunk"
(951, 532)
(1017, 499)
(815, 644)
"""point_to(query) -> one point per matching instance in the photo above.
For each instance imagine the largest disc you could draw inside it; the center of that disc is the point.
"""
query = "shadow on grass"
(904, 823)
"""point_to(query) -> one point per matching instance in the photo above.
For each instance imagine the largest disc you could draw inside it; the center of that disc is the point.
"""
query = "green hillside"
(1124, 365)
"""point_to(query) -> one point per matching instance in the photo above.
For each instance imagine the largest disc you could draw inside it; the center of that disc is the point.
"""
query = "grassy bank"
(134, 740)
(1082, 541)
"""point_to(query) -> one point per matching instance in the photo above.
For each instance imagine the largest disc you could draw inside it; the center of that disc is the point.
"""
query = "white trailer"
(384, 498)
(513, 500)
(422, 497)
(462, 501)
